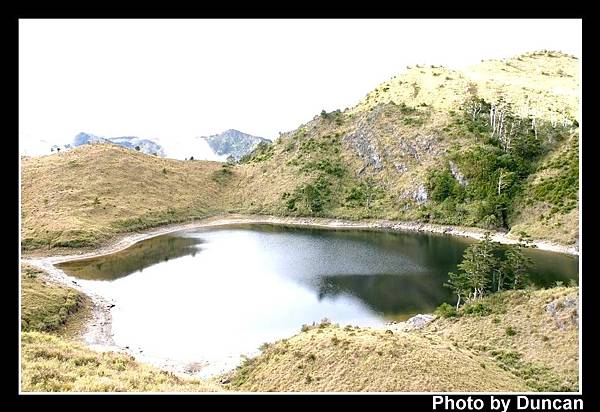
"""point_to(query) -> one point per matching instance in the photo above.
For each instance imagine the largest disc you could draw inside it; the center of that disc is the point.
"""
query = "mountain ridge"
(471, 158)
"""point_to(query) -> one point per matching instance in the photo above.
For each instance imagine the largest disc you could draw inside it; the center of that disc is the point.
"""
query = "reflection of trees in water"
(390, 295)
(133, 259)
(421, 249)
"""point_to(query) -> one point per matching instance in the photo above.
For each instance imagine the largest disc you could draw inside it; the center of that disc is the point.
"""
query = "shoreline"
(98, 334)
(128, 239)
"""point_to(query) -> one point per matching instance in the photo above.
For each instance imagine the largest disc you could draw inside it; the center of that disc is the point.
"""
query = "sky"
(172, 80)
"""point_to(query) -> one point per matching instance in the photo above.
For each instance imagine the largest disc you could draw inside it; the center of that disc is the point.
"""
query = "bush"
(477, 309)
(510, 331)
(446, 311)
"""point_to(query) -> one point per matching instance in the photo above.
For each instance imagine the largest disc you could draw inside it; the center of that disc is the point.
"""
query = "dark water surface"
(213, 294)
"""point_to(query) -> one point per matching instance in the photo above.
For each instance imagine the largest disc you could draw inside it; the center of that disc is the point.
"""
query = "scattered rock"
(224, 381)
(420, 195)
(564, 312)
(112, 305)
(389, 332)
(457, 175)
(401, 167)
(418, 322)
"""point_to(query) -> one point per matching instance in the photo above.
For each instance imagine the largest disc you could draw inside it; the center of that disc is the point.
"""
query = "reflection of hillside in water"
(133, 259)
(390, 295)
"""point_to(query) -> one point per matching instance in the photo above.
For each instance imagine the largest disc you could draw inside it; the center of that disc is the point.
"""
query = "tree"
(516, 265)
(478, 271)
(460, 285)
(483, 270)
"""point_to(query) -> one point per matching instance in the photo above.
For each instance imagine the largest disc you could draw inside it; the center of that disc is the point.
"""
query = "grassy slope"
(335, 359)
(52, 364)
(522, 337)
(48, 307)
(407, 123)
(546, 210)
(470, 353)
(86, 195)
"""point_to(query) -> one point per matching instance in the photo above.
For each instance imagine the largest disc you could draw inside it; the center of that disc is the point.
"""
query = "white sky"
(175, 79)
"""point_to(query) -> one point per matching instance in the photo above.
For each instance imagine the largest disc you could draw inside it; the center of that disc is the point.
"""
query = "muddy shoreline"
(98, 332)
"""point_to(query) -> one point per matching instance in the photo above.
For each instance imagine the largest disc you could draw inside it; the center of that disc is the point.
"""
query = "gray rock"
(457, 175)
(362, 142)
(400, 167)
(419, 321)
(420, 195)
(564, 312)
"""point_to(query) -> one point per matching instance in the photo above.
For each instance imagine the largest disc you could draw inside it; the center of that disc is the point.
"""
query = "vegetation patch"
(45, 307)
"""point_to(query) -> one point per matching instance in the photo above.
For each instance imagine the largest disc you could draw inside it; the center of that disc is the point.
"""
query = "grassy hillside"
(434, 145)
(508, 342)
(493, 146)
(88, 194)
(52, 364)
(532, 334)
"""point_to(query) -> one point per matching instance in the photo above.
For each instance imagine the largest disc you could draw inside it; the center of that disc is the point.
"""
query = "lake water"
(211, 295)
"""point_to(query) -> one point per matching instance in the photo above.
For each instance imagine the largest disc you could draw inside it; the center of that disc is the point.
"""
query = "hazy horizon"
(172, 80)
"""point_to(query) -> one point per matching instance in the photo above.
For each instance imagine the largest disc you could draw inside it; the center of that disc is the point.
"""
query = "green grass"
(46, 307)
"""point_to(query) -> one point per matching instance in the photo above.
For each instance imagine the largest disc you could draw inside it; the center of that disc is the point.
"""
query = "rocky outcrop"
(564, 312)
(362, 142)
(415, 323)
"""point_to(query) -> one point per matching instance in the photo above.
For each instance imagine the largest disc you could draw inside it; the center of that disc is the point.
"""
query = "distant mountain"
(218, 147)
(233, 143)
(145, 145)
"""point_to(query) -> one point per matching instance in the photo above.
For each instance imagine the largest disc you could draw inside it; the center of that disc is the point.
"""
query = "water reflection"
(133, 259)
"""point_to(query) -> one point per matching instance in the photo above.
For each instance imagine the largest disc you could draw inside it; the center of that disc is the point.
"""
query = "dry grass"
(522, 337)
(52, 364)
(334, 359)
(544, 84)
(512, 349)
(86, 195)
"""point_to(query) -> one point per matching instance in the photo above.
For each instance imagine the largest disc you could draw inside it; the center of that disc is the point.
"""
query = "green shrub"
(476, 309)
(446, 311)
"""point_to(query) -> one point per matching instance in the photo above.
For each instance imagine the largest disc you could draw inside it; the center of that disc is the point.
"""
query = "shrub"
(510, 331)
(477, 309)
(446, 311)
